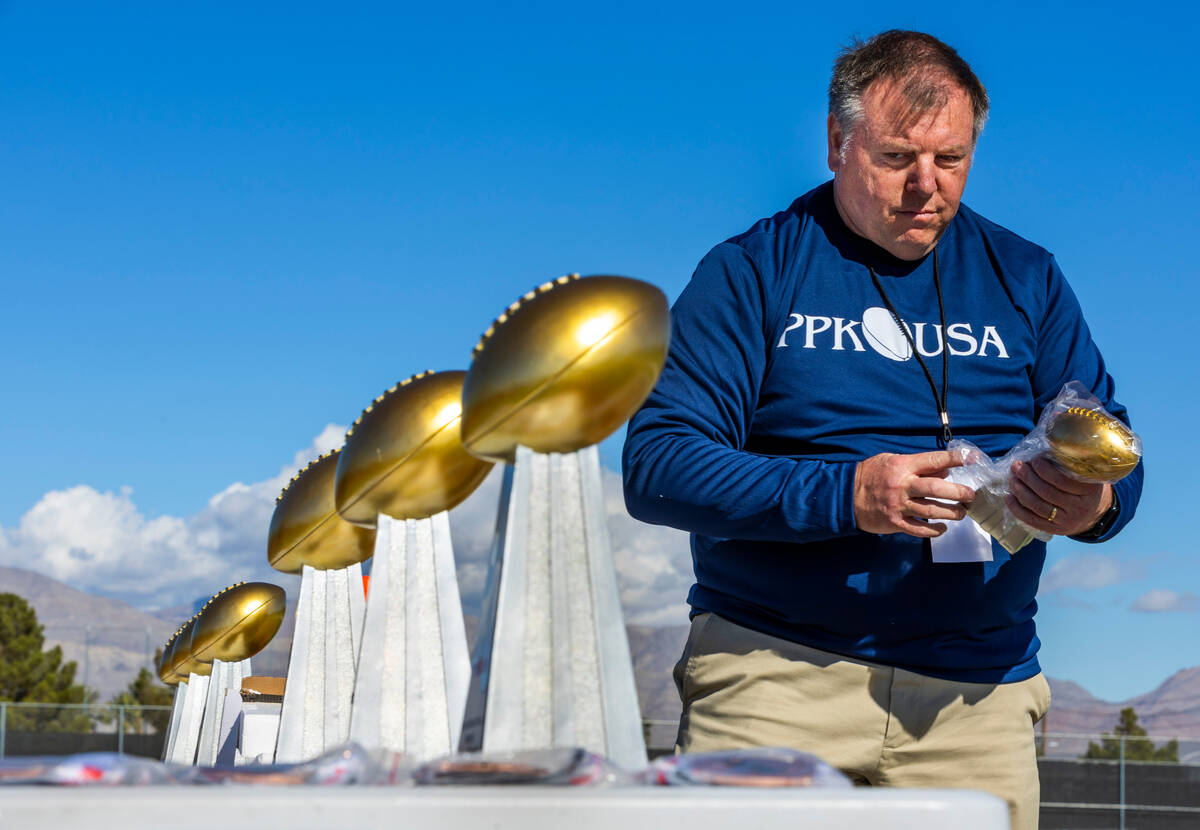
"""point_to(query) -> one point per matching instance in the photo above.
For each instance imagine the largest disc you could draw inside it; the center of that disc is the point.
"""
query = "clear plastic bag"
(1074, 431)
(85, 769)
(564, 766)
(349, 764)
(344, 765)
(757, 767)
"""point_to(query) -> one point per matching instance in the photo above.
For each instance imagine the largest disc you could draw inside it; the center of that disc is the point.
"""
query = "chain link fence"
(68, 728)
(1116, 791)
(1148, 782)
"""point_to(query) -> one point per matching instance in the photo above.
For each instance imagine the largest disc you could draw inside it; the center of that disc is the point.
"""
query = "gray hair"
(926, 68)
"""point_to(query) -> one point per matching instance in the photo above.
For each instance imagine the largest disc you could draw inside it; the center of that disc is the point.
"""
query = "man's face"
(902, 174)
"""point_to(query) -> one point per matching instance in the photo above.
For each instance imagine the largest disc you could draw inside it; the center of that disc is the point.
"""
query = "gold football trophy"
(190, 678)
(1092, 445)
(209, 655)
(1086, 442)
(402, 468)
(564, 366)
(404, 456)
(306, 529)
(557, 372)
(172, 665)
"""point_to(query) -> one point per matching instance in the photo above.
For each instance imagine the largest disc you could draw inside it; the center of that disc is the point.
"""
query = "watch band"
(1103, 524)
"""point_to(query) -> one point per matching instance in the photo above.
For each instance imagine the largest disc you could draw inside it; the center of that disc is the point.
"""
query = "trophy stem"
(225, 676)
(320, 683)
(552, 664)
(183, 750)
(176, 715)
(232, 718)
(414, 669)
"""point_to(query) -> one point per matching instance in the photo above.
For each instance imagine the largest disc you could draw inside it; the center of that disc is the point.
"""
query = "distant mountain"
(178, 613)
(108, 639)
(1174, 707)
(1171, 710)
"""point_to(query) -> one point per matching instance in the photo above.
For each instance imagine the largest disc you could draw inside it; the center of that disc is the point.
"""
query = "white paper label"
(963, 541)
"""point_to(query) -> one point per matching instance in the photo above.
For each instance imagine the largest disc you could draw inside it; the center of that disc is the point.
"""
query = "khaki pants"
(879, 725)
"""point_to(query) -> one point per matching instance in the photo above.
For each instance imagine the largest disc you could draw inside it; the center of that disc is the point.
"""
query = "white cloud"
(1088, 572)
(1163, 599)
(102, 543)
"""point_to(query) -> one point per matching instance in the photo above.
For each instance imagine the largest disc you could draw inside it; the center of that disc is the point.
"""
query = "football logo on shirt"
(878, 329)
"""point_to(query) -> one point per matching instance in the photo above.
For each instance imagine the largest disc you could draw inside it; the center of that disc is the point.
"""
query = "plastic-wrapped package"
(989, 480)
(90, 769)
(1074, 431)
(24, 769)
(109, 769)
(340, 766)
(563, 766)
(757, 767)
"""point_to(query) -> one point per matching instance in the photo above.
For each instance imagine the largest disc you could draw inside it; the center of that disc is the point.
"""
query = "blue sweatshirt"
(785, 370)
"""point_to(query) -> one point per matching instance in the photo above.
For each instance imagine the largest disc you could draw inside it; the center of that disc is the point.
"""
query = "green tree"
(30, 675)
(1137, 746)
(146, 690)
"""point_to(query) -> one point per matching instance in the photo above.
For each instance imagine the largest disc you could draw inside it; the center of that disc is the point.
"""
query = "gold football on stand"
(404, 455)
(182, 662)
(238, 622)
(165, 673)
(306, 529)
(564, 366)
(1092, 444)
(171, 656)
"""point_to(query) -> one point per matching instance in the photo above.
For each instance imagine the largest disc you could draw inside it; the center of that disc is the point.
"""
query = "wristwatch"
(1103, 524)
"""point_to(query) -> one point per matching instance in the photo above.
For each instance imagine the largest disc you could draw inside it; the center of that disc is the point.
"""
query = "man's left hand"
(1046, 498)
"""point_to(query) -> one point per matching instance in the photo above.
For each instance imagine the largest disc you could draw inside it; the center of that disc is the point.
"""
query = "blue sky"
(229, 226)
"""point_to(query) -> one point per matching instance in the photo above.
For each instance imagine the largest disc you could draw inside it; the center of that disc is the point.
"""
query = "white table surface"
(497, 808)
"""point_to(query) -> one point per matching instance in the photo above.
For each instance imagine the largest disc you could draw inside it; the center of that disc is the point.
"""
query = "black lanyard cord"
(939, 400)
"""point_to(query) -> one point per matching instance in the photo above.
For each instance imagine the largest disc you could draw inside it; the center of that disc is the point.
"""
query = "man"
(799, 433)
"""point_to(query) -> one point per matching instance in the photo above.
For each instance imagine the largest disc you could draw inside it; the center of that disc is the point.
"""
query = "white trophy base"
(187, 735)
(414, 669)
(224, 678)
(176, 717)
(551, 662)
(320, 680)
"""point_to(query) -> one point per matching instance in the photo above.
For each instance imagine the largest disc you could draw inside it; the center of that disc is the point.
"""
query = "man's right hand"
(893, 493)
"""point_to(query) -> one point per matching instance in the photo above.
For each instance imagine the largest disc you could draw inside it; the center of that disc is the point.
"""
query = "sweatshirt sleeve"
(1066, 352)
(684, 462)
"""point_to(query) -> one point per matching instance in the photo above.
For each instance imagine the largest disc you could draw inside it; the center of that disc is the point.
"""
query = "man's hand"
(893, 493)
(1040, 492)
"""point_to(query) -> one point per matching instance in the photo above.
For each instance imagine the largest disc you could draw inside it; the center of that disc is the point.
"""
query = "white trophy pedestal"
(551, 663)
(320, 679)
(230, 731)
(259, 732)
(176, 716)
(413, 669)
(187, 735)
(224, 677)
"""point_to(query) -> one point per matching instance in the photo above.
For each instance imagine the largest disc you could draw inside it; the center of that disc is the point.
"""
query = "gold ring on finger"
(1053, 515)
